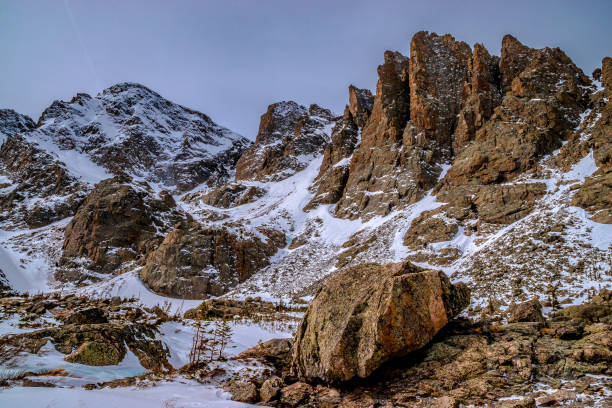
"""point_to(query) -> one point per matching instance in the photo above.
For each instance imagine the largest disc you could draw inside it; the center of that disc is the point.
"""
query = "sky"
(230, 59)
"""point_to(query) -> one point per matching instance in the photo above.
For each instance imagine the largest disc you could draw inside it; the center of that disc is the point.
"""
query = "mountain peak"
(130, 129)
(129, 87)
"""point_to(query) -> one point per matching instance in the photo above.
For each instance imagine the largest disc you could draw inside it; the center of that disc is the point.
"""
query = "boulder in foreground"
(368, 314)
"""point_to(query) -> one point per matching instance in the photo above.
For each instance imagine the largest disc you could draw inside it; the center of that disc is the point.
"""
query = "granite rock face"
(360, 105)
(367, 314)
(545, 95)
(409, 132)
(439, 67)
(116, 223)
(483, 91)
(289, 136)
(194, 262)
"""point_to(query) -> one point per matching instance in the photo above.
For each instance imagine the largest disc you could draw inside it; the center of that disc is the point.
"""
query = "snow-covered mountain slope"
(554, 252)
(129, 129)
(36, 188)
(12, 122)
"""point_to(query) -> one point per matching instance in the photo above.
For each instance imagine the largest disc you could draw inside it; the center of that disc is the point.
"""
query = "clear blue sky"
(230, 59)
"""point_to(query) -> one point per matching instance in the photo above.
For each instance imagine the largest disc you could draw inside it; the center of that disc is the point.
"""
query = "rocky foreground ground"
(395, 350)
(516, 359)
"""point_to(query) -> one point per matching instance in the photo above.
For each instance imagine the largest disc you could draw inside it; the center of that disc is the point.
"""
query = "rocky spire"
(375, 160)
(545, 93)
(409, 131)
(483, 92)
(514, 59)
(439, 67)
(360, 104)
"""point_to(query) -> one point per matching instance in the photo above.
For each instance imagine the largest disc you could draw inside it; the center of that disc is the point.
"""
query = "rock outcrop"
(194, 262)
(360, 105)
(367, 314)
(545, 95)
(409, 130)
(334, 171)
(272, 351)
(94, 332)
(496, 204)
(289, 137)
(117, 222)
(227, 196)
(39, 189)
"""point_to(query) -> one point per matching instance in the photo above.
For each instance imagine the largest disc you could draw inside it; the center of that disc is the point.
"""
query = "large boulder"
(97, 354)
(368, 314)
(526, 312)
(227, 195)
(92, 315)
(242, 390)
(275, 351)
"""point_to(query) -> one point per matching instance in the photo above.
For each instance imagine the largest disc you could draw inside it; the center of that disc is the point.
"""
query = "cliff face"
(193, 262)
(489, 118)
(290, 135)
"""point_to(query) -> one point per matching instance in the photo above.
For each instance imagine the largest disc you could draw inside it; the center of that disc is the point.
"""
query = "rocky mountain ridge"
(452, 234)
(456, 151)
